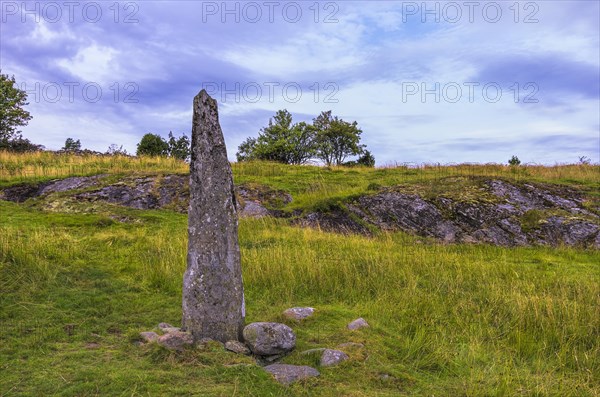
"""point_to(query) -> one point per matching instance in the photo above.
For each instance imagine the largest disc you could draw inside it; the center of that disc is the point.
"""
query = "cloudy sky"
(446, 82)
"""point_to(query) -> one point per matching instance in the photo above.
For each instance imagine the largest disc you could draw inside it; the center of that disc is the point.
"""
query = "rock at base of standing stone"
(299, 313)
(237, 347)
(268, 339)
(287, 374)
(358, 323)
(149, 337)
(332, 357)
(176, 340)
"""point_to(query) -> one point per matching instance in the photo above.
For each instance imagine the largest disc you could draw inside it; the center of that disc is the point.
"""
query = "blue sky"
(446, 82)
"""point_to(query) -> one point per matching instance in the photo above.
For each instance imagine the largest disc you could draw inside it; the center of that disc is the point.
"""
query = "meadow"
(446, 320)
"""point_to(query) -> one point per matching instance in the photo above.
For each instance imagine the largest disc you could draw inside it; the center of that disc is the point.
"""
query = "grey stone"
(176, 340)
(213, 293)
(149, 336)
(253, 209)
(332, 357)
(358, 323)
(266, 339)
(299, 313)
(237, 347)
(287, 374)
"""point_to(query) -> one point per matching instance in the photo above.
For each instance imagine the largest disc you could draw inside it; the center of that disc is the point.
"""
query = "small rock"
(358, 323)
(237, 347)
(92, 345)
(176, 340)
(287, 374)
(299, 313)
(267, 339)
(332, 357)
(163, 326)
(350, 345)
(149, 336)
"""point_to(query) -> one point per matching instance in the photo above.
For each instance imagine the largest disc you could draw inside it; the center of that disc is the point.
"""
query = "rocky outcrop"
(500, 213)
(147, 193)
(494, 212)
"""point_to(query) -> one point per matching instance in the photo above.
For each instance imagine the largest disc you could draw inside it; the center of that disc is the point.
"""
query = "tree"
(12, 114)
(114, 150)
(280, 141)
(247, 150)
(514, 161)
(179, 147)
(152, 145)
(366, 160)
(336, 139)
(72, 145)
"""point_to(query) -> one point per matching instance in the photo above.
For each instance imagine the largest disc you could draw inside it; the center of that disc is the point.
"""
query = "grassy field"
(446, 320)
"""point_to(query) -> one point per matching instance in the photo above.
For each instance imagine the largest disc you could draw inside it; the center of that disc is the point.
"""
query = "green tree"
(336, 139)
(12, 114)
(514, 161)
(247, 150)
(280, 141)
(366, 159)
(72, 145)
(179, 147)
(152, 145)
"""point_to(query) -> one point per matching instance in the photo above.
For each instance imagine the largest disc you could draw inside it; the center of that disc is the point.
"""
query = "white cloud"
(94, 63)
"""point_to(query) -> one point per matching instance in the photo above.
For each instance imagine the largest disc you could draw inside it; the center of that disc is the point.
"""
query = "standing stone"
(213, 293)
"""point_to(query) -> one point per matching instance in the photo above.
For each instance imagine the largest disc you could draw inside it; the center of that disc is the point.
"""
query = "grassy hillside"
(446, 320)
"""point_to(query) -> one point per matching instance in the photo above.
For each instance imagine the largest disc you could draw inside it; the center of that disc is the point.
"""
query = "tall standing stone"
(213, 293)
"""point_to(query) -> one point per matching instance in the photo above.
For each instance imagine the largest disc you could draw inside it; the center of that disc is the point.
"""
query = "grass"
(446, 320)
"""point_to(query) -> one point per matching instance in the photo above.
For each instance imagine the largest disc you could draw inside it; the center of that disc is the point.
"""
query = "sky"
(427, 82)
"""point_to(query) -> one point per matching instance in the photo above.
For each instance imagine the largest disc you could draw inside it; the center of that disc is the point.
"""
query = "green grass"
(446, 320)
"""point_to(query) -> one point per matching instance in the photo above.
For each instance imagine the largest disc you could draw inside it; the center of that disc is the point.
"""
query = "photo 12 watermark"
(290, 92)
(269, 11)
(454, 92)
(469, 11)
(69, 11)
(90, 92)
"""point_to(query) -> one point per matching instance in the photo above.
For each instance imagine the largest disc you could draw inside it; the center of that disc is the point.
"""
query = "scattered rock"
(267, 339)
(149, 337)
(299, 313)
(176, 340)
(332, 357)
(358, 323)
(287, 374)
(350, 345)
(237, 347)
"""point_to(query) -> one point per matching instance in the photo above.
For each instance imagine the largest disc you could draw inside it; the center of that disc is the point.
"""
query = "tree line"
(329, 139)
